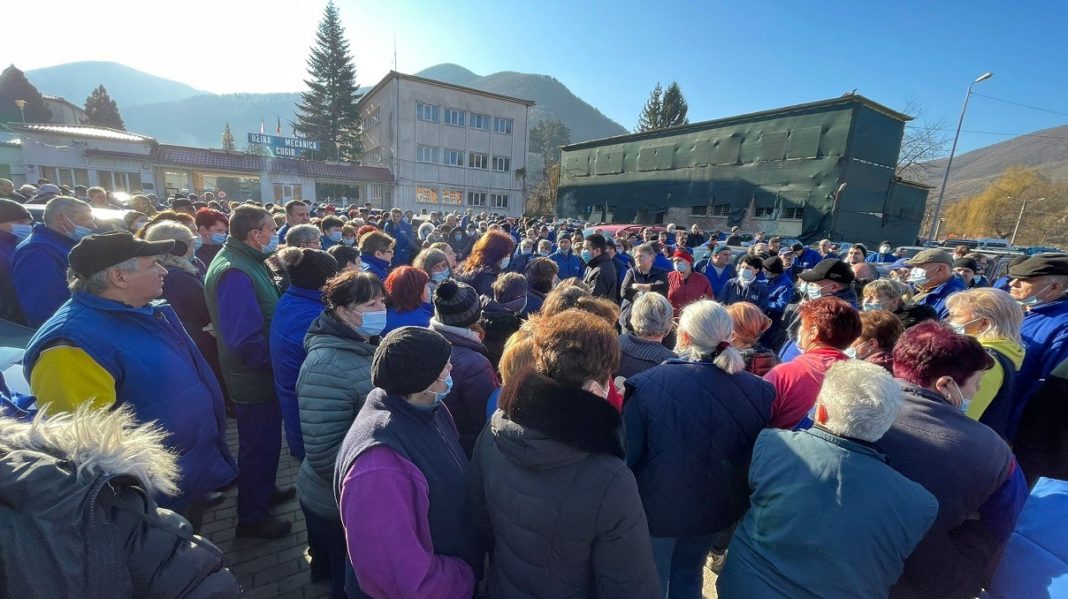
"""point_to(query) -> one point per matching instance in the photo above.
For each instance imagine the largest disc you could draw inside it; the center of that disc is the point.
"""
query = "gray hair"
(861, 399)
(425, 230)
(645, 248)
(169, 229)
(703, 326)
(62, 206)
(299, 234)
(97, 283)
(545, 243)
(652, 315)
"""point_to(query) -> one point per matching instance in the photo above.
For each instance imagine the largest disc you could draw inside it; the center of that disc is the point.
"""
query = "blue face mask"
(335, 236)
(373, 323)
(218, 238)
(747, 276)
(586, 257)
(503, 264)
(80, 232)
(198, 242)
(870, 306)
(544, 253)
(1032, 300)
(440, 397)
(440, 276)
(681, 266)
(21, 231)
(272, 246)
(349, 241)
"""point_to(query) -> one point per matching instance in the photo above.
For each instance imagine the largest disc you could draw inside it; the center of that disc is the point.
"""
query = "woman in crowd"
(212, 226)
(456, 313)
(964, 464)
(348, 257)
(895, 296)
(500, 313)
(749, 325)
(828, 326)
(690, 425)
(746, 287)
(879, 333)
(684, 285)
(992, 317)
(435, 264)
(304, 236)
(554, 450)
(490, 256)
(643, 278)
(407, 299)
(541, 275)
(642, 347)
(307, 270)
(348, 235)
(808, 487)
(402, 477)
(135, 221)
(333, 383)
(524, 253)
(517, 357)
(450, 254)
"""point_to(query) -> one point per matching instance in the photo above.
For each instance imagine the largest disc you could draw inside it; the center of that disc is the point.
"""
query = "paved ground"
(280, 568)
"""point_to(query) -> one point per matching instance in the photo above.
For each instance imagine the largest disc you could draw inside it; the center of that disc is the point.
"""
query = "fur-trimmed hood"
(84, 445)
(552, 425)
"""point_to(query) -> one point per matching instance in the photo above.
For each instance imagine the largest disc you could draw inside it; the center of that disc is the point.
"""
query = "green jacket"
(245, 385)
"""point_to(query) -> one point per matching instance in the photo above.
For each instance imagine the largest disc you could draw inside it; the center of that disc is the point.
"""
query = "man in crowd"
(402, 234)
(241, 296)
(718, 268)
(7, 192)
(601, 274)
(774, 246)
(14, 227)
(376, 252)
(113, 345)
(567, 262)
(857, 253)
(883, 255)
(296, 214)
(98, 197)
(805, 257)
(932, 276)
(39, 265)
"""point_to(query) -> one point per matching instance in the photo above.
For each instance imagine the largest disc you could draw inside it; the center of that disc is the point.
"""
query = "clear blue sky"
(729, 58)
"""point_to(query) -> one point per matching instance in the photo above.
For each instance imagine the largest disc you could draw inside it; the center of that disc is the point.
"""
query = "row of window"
(109, 180)
(432, 113)
(431, 195)
(759, 212)
(451, 157)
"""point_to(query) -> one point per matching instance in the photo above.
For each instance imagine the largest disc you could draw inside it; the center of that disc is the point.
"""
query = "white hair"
(651, 315)
(299, 234)
(169, 229)
(862, 400)
(703, 326)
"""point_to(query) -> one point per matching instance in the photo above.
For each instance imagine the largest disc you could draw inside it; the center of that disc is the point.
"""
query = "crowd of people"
(491, 406)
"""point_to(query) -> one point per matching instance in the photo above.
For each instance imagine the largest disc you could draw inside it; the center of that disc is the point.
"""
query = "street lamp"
(953, 150)
(22, 113)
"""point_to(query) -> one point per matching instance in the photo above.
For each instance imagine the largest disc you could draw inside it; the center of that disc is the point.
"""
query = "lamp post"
(22, 105)
(952, 151)
(1016, 229)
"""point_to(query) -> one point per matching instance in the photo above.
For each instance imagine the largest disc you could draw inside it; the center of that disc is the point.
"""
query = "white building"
(449, 147)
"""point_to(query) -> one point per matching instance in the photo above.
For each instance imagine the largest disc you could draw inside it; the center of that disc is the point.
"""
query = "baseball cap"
(830, 269)
(97, 252)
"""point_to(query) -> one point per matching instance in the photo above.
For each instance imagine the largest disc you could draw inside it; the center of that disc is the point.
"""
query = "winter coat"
(376, 266)
(568, 264)
(9, 299)
(499, 323)
(184, 291)
(602, 277)
(401, 233)
(78, 517)
(656, 277)
(473, 380)
(638, 355)
(293, 314)
(797, 383)
(690, 431)
(683, 292)
(333, 383)
(1042, 438)
(1045, 336)
(936, 297)
(809, 487)
(553, 492)
(481, 278)
(39, 270)
(1034, 561)
(734, 291)
(913, 315)
(416, 317)
(718, 281)
(1008, 357)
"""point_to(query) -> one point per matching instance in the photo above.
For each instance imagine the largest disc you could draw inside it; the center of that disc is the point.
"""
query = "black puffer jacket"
(551, 488)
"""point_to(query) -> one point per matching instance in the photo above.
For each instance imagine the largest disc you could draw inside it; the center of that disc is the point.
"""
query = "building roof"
(64, 101)
(775, 112)
(470, 90)
(93, 131)
(239, 161)
(114, 154)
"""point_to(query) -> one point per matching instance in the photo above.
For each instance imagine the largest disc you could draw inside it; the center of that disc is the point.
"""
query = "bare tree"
(924, 142)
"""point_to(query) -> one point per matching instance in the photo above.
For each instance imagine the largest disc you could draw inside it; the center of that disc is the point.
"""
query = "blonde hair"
(749, 323)
(889, 288)
(169, 229)
(703, 327)
(518, 355)
(1003, 312)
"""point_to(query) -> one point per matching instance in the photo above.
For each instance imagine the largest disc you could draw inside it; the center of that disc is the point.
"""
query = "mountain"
(199, 121)
(127, 86)
(1046, 150)
(450, 73)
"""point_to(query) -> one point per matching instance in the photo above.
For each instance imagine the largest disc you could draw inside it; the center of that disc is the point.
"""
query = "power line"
(1019, 104)
(1001, 133)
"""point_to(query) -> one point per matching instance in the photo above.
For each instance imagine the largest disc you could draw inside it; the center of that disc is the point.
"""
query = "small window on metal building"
(698, 210)
(721, 210)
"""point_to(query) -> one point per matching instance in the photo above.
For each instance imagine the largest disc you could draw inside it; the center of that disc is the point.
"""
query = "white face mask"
(964, 403)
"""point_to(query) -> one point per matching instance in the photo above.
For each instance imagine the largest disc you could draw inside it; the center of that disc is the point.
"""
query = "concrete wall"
(45, 149)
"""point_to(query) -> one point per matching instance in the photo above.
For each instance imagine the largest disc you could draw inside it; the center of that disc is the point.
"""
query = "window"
(454, 157)
(66, 176)
(794, 213)
(476, 198)
(480, 121)
(452, 196)
(426, 112)
(371, 118)
(502, 164)
(502, 125)
(454, 117)
(499, 200)
(283, 192)
(374, 192)
(477, 160)
(764, 212)
(426, 154)
(698, 210)
(721, 210)
(116, 181)
(426, 195)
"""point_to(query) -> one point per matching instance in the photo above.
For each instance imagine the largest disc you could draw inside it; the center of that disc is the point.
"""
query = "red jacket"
(683, 292)
(797, 383)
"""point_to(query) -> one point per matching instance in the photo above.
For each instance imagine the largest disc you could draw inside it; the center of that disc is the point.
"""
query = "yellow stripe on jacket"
(66, 377)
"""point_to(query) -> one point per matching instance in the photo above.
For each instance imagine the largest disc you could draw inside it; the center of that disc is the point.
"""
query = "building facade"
(449, 147)
(780, 171)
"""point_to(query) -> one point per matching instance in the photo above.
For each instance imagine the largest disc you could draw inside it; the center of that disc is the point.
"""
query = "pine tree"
(649, 119)
(14, 86)
(674, 109)
(327, 111)
(228, 139)
(101, 110)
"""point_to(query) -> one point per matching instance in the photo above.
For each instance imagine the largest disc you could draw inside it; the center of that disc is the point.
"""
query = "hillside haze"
(127, 86)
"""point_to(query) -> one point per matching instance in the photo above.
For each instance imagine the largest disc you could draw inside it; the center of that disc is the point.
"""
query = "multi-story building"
(449, 147)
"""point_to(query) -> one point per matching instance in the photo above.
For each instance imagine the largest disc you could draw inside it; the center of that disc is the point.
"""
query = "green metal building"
(777, 171)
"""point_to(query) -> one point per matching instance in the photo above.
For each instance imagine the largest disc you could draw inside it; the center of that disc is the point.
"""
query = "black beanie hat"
(774, 265)
(409, 359)
(12, 211)
(313, 270)
(456, 304)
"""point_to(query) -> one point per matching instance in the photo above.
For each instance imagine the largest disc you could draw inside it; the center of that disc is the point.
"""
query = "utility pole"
(1016, 229)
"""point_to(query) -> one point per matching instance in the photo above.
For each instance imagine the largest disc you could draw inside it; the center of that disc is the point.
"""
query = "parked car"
(1042, 249)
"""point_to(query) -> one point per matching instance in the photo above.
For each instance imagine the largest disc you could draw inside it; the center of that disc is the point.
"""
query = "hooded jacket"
(550, 486)
(78, 518)
(996, 417)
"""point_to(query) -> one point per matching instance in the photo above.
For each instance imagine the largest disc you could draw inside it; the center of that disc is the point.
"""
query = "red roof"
(217, 159)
